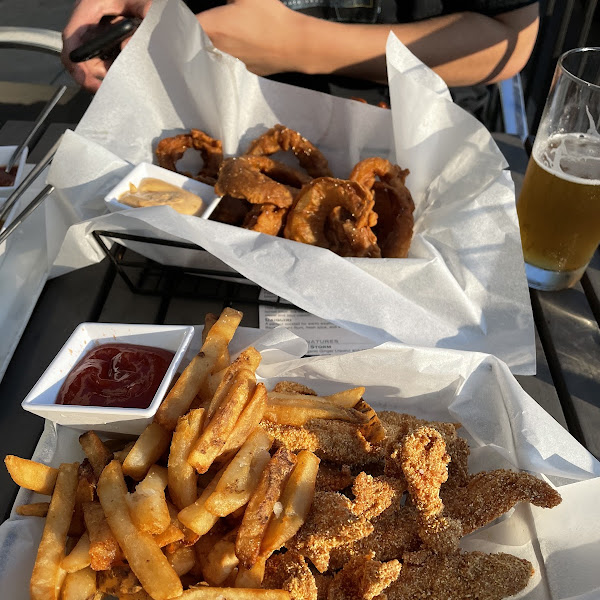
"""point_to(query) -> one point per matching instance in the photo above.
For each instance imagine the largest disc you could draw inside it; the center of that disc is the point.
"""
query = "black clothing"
(474, 99)
(384, 11)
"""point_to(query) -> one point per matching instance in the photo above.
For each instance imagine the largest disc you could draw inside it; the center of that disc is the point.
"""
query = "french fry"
(104, 548)
(248, 360)
(296, 500)
(344, 399)
(260, 506)
(44, 582)
(216, 593)
(95, 450)
(121, 455)
(117, 581)
(251, 578)
(181, 396)
(215, 433)
(79, 557)
(31, 475)
(372, 430)
(79, 585)
(240, 478)
(347, 398)
(86, 490)
(182, 477)
(249, 419)
(143, 554)
(289, 411)
(213, 383)
(149, 447)
(182, 559)
(220, 562)
(35, 509)
(148, 505)
(196, 516)
(209, 320)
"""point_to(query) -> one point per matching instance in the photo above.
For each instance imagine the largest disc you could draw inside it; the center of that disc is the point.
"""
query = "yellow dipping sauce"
(155, 192)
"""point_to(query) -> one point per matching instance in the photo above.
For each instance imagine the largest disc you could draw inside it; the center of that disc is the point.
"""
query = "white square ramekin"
(41, 400)
(5, 153)
(143, 170)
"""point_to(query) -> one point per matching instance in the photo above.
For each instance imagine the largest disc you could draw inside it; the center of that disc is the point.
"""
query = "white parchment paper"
(504, 426)
(463, 285)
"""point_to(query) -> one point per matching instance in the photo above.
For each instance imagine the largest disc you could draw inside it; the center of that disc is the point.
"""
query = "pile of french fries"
(195, 506)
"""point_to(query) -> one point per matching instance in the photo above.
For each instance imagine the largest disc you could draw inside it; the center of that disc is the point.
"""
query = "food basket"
(504, 427)
(466, 246)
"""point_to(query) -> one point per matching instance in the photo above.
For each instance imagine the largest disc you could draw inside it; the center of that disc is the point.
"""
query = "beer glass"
(559, 204)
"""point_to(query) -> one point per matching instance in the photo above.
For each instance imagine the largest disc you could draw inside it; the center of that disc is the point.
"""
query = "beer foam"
(573, 157)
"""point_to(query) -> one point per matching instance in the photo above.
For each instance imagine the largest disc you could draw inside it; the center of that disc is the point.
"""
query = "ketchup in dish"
(121, 375)
(7, 179)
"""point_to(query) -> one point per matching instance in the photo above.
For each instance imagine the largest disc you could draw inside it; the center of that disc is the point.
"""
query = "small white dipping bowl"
(143, 170)
(41, 400)
(5, 153)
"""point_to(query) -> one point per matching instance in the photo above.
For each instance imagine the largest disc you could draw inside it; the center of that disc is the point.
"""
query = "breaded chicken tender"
(460, 575)
(330, 525)
(289, 571)
(363, 578)
(492, 493)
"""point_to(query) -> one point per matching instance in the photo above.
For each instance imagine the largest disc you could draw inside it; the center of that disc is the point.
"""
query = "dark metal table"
(567, 384)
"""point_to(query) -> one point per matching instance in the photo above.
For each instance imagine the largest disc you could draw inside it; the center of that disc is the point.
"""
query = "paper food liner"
(463, 285)
(505, 428)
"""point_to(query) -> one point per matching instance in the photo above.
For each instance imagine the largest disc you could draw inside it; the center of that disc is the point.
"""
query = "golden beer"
(559, 204)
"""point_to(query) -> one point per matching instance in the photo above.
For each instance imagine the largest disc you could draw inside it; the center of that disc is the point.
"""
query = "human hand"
(84, 22)
(263, 34)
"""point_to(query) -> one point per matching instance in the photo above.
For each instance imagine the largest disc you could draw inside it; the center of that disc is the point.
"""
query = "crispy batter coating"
(333, 478)
(424, 464)
(491, 493)
(239, 178)
(395, 531)
(335, 441)
(330, 524)
(290, 387)
(399, 425)
(393, 204)
(311, 159)
(170, 150)
(363, 578)
(335, 214)
(372, 495)
(289, 571)
(265, 218)
(461, 575)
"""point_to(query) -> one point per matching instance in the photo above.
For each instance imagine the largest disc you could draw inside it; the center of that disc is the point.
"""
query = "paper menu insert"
(323, 338)
(463, 285)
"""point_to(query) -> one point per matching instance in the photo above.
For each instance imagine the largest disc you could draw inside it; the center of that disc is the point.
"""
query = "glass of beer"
(559, 204)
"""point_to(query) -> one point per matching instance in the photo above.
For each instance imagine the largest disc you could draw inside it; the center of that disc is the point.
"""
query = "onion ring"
(257, 180)
(265, 218)
(393, 204)
(311, 159)
(170, 150)
(335, 214)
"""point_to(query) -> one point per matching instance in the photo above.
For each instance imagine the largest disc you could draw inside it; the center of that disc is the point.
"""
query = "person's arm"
(86, 16)
(463, 48)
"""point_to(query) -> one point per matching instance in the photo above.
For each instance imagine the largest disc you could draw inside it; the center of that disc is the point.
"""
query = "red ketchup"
(7, 179)
(122, 375)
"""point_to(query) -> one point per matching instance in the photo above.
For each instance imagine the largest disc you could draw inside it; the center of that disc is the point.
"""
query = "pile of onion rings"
(370, 214)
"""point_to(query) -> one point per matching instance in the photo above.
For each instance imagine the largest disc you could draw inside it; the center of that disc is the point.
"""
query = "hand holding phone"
(105, 45)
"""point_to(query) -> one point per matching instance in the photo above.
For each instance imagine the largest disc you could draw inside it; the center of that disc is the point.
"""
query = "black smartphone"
(107, 43)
